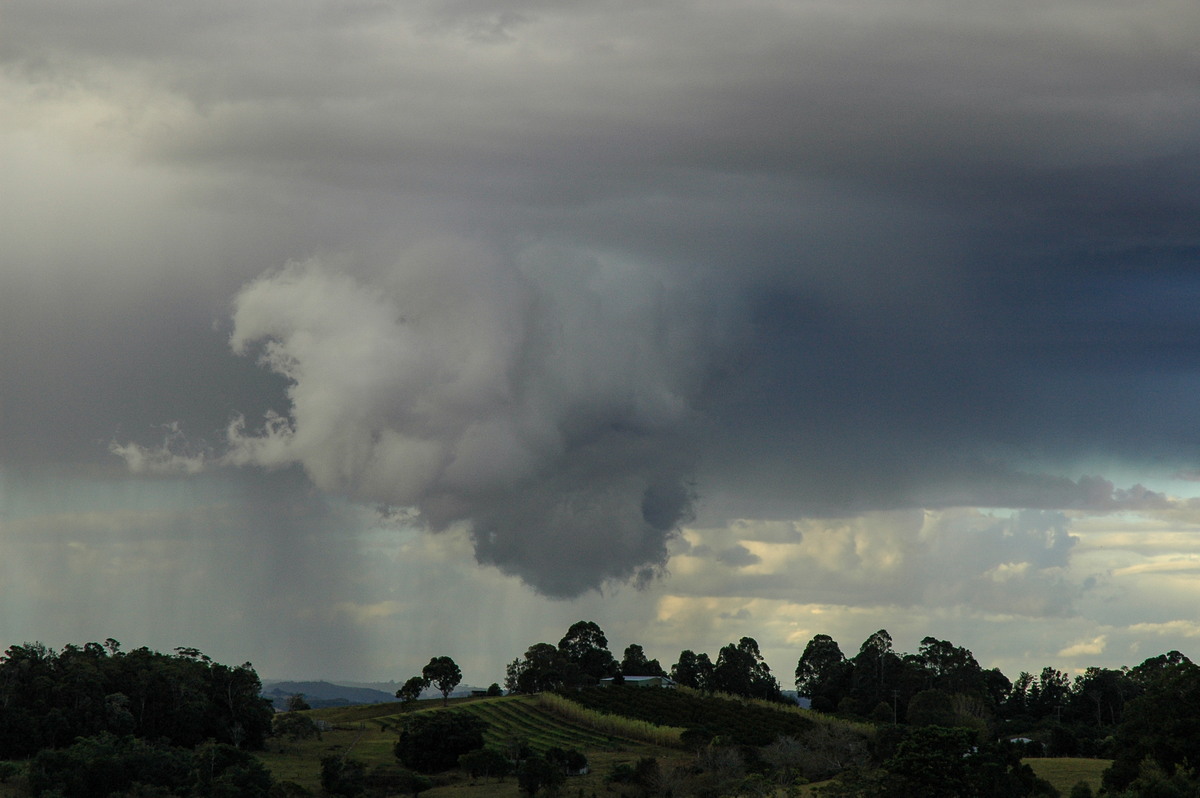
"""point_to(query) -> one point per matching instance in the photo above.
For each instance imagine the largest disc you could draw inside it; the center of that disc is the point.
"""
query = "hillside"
(323, 694)
(369, 732)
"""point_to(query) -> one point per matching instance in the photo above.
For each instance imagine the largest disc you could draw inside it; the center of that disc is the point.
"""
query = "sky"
(335, 336)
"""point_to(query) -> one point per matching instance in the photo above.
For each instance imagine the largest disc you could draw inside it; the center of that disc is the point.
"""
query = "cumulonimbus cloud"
(540, 404)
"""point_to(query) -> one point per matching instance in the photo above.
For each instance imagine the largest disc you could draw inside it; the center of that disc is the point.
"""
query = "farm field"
(368, 733)
(1065, 772)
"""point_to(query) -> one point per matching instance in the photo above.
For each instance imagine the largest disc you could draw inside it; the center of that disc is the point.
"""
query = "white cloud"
(1085, 648)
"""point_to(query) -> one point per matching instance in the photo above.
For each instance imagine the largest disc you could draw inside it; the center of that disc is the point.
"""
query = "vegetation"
(702, 717)
(48, 699)
(106, 765)
(444, 674)
(741, 670)
(411, 690)
(431, 742)
(94, 720)
(611, 723)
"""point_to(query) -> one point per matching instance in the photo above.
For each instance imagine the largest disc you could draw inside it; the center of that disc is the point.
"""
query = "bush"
(390, 779)
(294, 726)
(105, 765)
(571, 761)
(432, 742)
(223, 771)
(536, 774)
(343, 776)
(96, 767)
(485, 763)
(1081, 790)
(646, 773)
(9, 770)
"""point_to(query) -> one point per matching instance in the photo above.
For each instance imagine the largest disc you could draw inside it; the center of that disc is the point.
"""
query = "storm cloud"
(566, 282)
(546, 404)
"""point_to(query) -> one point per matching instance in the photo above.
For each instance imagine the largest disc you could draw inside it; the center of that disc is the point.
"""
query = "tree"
(535, 773)
(585, 649)
(931, 708)
(222, 770)
(343, 776)
(1099, 694)
(635, 663)
(51, 698)
(431, 742)
(1048, 694)
(444, 674)
(107, 765)
(296, 703)
(740, 670)
(485, 763)
(104, 765)
(542, 668)
(1160, 725)
(1017, 703)
(693, 670)
(997, 686)
(411, 690)
(822, 673)
(876, 671)
(935, 762)
(951, 668)
(294, 726)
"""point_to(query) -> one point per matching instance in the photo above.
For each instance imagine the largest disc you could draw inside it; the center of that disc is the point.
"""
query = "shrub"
(432, 742)
(536, 774)
(485, 763)
(343, 776)
(390, 779)
(294, 726)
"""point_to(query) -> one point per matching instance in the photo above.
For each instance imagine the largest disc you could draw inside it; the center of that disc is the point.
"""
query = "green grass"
(1065, 772)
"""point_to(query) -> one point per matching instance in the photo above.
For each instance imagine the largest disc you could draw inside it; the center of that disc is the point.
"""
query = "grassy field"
(1064, 773)
(368, 733)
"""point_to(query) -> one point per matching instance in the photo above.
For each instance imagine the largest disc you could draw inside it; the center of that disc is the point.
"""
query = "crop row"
(613, 724)
(510, 719)
(735, 721)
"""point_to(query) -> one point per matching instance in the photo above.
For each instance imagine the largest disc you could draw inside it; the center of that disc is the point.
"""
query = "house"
(639, 681)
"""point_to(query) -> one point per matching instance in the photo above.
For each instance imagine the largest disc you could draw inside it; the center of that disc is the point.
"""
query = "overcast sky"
(338, 335)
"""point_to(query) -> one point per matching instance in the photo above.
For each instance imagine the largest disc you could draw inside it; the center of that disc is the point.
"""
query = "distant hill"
(324, 694)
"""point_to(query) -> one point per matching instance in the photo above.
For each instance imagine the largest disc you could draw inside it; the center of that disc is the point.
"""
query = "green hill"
(608, 739)
(368, 733)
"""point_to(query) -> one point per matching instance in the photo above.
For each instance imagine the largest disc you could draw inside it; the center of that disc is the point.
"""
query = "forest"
(97, 720)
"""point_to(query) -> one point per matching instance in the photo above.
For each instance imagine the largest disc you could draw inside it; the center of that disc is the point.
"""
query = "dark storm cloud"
(814, 258)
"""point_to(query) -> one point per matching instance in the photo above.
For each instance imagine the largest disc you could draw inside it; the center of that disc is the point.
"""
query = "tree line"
(49, 698)
(1143, 716)
(941, 681)
(582, 659)
(94, 720)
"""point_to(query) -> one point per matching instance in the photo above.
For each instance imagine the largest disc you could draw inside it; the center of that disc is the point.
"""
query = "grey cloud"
(957, 560)
(551, 424)
(738, 557)
(791, 259)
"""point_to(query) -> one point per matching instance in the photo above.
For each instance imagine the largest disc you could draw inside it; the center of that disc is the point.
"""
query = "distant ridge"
(323, 694)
